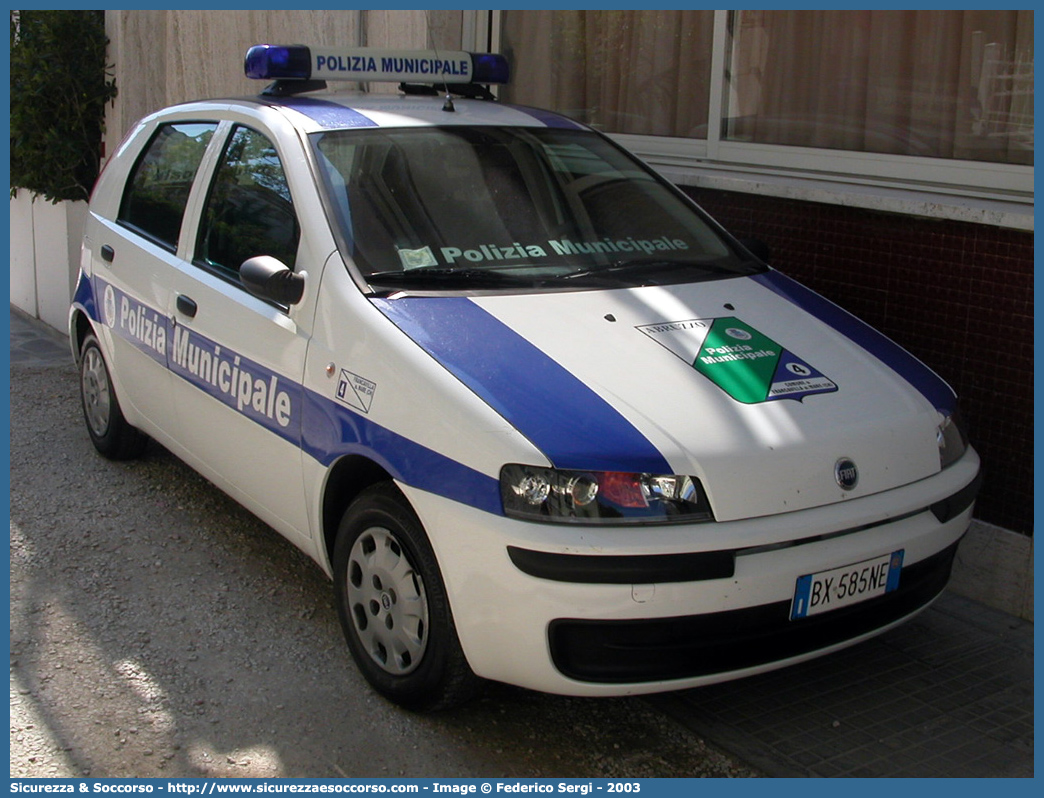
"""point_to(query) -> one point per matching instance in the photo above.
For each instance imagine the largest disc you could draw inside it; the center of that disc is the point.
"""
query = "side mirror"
(269, 278)
(758, 248)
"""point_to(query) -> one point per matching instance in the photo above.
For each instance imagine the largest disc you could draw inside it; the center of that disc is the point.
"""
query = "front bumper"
(665, 649)
(614, 611)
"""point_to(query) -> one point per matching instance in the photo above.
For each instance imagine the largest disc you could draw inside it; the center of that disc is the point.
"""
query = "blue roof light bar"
(273, 62)
(299, 62)
(490, 68)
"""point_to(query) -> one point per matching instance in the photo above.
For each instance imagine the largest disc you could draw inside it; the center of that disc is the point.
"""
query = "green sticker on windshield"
(746, 364)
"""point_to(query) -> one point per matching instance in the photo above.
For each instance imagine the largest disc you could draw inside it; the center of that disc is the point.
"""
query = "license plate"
(849, 584)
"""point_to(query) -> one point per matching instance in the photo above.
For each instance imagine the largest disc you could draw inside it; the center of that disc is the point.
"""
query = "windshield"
(487, 208)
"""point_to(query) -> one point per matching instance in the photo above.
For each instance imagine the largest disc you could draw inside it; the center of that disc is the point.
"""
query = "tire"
(110, 433)
(393, 606)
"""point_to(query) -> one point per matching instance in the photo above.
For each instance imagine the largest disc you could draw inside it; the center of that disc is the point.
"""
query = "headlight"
(951, 439)
(601, 497)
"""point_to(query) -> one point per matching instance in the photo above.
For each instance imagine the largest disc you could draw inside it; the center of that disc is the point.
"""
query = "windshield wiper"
(645, 268)
(442, 275)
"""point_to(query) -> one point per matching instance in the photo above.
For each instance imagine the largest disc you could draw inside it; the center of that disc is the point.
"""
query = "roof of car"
(338, 111)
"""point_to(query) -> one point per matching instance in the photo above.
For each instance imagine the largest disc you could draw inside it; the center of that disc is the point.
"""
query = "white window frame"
(976, 191)
(480, 30)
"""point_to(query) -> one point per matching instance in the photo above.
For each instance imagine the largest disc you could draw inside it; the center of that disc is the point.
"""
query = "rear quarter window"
(155, 196)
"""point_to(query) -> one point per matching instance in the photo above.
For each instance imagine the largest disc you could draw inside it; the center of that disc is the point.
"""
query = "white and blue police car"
(540, 419)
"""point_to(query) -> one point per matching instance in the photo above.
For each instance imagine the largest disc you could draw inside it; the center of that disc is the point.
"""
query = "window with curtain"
(642, 72)
(942, 84)
(937, 84)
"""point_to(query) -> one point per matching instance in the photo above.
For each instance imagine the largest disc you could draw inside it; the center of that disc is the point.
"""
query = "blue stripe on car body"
(332, 116)
(324, 429)
(922, 378)
(84, 295)
(331, 431)
(549, 118)
(571, 424)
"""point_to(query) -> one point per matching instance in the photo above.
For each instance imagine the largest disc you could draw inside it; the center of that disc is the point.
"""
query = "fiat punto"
(539, 417)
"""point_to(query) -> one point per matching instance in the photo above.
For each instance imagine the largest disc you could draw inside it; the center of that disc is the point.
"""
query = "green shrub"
(59, 87)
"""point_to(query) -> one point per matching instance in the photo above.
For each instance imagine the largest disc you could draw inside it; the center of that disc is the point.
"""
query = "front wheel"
(393, 606)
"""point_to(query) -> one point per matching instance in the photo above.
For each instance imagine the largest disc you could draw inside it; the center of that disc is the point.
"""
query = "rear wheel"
(393, 607)
(110, 433)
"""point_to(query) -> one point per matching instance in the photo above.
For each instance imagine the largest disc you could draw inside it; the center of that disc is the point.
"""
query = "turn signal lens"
(601, 497)
(622, 489)
(951, 439)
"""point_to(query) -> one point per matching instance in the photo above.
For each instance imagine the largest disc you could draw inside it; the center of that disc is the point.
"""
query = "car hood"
(755, 385)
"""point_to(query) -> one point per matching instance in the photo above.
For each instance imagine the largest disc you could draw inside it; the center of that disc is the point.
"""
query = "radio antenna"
(448, 105)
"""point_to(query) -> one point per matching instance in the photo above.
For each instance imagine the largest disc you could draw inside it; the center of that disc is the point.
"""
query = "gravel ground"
(158, 629)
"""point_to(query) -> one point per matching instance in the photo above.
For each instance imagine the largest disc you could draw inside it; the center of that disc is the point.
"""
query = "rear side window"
(249, 210)
(155, 196)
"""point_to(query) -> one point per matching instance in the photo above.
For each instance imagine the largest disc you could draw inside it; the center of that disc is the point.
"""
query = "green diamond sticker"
(739, 360)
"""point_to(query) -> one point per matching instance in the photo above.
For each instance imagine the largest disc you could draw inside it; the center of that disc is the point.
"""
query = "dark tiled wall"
(958, 296)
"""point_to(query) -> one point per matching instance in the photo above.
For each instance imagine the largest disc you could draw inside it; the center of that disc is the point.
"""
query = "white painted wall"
(23, 256)
(45, 256)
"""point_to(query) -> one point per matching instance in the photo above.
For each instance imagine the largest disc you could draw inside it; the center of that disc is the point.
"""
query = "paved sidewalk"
(949, 694)
(34, 343)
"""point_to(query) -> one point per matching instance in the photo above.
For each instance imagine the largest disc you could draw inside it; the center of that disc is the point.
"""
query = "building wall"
(166, 57)
(957, 295)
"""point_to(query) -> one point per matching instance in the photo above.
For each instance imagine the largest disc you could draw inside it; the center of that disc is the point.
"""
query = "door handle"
(107, 253)
(187, 306)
